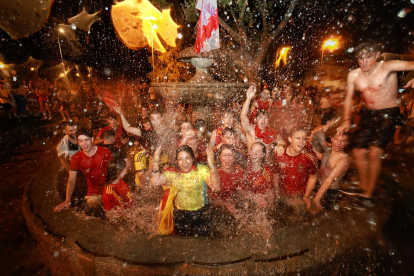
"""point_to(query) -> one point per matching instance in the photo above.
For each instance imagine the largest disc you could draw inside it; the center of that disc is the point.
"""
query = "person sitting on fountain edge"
(186, 179)
(92, 161)
(295, 170)
(259, 132)
(334, 166)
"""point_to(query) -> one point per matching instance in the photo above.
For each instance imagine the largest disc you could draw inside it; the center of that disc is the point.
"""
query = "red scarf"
(268, 135)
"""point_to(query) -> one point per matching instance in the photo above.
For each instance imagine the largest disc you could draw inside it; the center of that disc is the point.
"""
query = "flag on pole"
(208, 27)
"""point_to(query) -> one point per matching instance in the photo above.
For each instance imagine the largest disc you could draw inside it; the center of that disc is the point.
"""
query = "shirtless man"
(378, 84)
(259, 132)
(334, 166)
(68, 146)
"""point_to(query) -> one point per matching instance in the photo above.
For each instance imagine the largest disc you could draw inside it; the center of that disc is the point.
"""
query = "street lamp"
(331, 44)
(282, 55)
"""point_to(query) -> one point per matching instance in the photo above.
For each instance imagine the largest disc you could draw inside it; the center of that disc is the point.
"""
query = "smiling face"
(265, 95)
(113, 122)
(339, 142)
(186, 126)
(367, 61)
(229, 139)
(256, 153)
(85, 142)
(297, 141)
(155, 120)
(227, 159)
(71, 131)
(262, 121)
(185, 161)
(228, 120)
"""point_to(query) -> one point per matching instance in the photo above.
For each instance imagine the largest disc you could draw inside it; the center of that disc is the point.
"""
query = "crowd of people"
(261, 155)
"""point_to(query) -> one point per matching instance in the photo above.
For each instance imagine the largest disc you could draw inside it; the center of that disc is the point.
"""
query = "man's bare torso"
(379, 89)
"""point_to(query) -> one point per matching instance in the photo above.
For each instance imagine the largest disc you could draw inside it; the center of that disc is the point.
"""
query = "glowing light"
(403, 13)
(140, 23)
(77, 74)
(32, 69)
(1, 65)
(89, 75)
(61, 75)
(282, 55)
(61, 30)
(180, 36)
(331, 44)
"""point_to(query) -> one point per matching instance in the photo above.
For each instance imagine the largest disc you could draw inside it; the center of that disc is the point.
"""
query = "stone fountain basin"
(73, 245)
(201, 93)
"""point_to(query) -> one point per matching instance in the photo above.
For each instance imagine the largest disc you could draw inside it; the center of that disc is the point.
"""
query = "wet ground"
(28, 144)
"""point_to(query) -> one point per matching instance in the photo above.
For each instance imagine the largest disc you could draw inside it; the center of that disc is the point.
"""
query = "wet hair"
(223, 147)
(108, 134)
(110, 115)
(70, 124)
(229, 130)
(155, 111)
(367, 48)
(263, 150)
(296, 129)
(199, 123)
(262, 112)
(188, 150)
(145, 105)
(85, 131)
(146, 120)
(115, 167)
(228, 111)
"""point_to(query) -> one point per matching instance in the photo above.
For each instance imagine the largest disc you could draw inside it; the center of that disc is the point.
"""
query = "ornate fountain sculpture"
(201, 91)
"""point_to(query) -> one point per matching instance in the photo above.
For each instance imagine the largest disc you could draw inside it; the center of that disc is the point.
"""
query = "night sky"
(311, 23)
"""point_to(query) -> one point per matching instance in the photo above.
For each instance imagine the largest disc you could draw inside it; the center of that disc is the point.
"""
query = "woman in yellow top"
(191, 213)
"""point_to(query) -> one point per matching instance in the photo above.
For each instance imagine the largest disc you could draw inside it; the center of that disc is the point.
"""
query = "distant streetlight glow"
(61, 30)
(331, 44)
(31, 68)
(77, 74)
(282, 55)
(62, 75)
(1, 65)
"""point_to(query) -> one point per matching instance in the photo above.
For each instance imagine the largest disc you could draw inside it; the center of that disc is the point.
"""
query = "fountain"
(201, 90)
(71, 244)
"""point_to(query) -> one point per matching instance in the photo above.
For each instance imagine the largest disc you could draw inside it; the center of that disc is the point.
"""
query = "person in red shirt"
(260, 132)
(264, 102)
(240, 149)
(231, 180)
(295, 170)
(116, 194)
(228, 121)
(259, 185)
(92, 161)
(113, 124)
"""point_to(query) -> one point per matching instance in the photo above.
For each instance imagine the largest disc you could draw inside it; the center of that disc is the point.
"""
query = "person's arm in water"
(350, 90)
(247, 127)
(128, 128)
(157, 178)
(339, 168)
(213, 181)
(69, 191)
(309, 188)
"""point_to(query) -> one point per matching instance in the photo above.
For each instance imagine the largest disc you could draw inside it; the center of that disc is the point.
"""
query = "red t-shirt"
(294, 171)
(268, 135)
(116, 195)
(119, 134)
(219, 135)
(261, 106)
(260, 182)
(93, 168)
(229, 184)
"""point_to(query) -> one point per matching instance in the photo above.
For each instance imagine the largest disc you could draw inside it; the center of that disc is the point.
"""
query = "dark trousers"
(20, 103)
(192, 223)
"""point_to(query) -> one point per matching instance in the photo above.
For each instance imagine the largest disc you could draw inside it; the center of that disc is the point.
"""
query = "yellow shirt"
(191, 188)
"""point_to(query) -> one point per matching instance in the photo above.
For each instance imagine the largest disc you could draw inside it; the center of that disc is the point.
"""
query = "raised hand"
(251, 92)
(409, 84)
